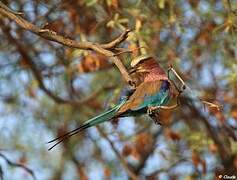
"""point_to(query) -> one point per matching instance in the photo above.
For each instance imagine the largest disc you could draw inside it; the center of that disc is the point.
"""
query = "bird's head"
(140, 59)
(146, 64)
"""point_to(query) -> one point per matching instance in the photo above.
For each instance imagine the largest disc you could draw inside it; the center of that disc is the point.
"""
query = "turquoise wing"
(153, 93)
(160, 98)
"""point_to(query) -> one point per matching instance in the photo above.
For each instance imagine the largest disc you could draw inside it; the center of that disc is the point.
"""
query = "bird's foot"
(155, 118)
(151, 110)
(157, 121)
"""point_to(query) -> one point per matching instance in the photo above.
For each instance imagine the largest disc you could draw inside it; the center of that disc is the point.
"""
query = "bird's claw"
(151, 110)
(155, 118)
(157, 122)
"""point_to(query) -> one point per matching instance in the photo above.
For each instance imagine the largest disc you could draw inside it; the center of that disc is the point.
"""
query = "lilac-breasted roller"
(153, 89)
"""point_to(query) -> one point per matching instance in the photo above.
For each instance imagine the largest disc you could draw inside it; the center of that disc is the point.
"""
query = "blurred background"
(47, 89)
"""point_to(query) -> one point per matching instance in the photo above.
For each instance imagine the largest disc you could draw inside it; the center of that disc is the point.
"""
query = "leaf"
(234, 112)
(165, 117)
(23, 63)
(175, 136)
(23, 159)
(107, 172)
(195, 158)
(194, 3)
(82, 173)
(127, 150)
(57, 25)
(213, 148)
(135, 154)
(143, 143)
(31, 91)
(93, 62)
(161, 4)
(112, 3)
(235, 161)
(198, 161)
(133, 47)
(204, 166)
(91, 2)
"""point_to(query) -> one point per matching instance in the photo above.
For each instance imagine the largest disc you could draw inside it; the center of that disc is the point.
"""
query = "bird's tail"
(108, 115)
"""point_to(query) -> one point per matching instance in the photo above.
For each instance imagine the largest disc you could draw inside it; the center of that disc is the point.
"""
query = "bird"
(152, 89)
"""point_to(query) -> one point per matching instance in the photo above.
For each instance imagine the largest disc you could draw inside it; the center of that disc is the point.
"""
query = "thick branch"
(37, 74)
(53, 36)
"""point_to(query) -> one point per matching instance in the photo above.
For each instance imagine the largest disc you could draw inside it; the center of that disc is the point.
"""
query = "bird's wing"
(145, 95)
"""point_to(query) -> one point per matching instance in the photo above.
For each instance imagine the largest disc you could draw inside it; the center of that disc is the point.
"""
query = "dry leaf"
(135, 154)
(204, 166)
(143, 143)
(23, 63)
(165, 117)
(234, 113)
(213, 148)
(82, 173)
(127, 150)
(175, 136)
(22, 160)
(92, 63)
(195, 158)
(107, 172)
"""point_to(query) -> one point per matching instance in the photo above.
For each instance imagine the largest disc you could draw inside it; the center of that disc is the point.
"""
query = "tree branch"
(116, 41)
(128, 169)
(220, 139)
(14, 164)
(104, 49)
(37, 74)
(155, 173)
(146, 155)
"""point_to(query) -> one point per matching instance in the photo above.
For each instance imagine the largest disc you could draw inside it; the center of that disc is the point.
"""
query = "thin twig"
(210, 104)
(127, 51)
(14, 164)
(155, 173)
(177, 75)
(8, 9)
(229, 5)
(117, 40)
(131, 174)
(172, 107)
